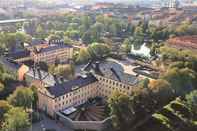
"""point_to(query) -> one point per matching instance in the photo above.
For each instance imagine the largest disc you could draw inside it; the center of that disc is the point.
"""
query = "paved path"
(47, 123)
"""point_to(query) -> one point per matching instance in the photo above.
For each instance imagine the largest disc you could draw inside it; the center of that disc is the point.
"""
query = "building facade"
(60, 53)
(78, 91)
(42, 51)
(72, 93)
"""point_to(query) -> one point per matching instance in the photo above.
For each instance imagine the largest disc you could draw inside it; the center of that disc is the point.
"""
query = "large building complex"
(100, 80)
(60, 53)
(43, 51)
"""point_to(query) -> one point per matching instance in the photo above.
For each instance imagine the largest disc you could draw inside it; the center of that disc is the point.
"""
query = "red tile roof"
(184, 42)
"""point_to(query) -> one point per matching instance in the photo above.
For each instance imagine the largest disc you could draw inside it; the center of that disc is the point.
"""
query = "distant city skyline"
(116, 1)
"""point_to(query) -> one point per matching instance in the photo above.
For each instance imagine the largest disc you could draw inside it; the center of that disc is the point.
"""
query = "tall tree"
(191, 101)
(126, 46)
(67, 71)
(4, 108)
(181, 80)
(22, 97)
(122, 111)
(98, 50)
(83, 56)
(16, 119)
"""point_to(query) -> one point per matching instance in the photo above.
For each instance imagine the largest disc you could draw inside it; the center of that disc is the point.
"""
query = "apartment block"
(93, 84)
(51, 54)
(43, 51)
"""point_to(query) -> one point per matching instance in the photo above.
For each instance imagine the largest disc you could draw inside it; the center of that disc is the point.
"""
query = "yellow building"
(71, 93)
(50, 54)
(63, 53)
(78, 91)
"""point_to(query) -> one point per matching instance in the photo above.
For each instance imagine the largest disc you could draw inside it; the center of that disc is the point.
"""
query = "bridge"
(12, 21)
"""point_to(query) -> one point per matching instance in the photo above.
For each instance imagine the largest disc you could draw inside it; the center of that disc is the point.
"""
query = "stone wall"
(89, 125)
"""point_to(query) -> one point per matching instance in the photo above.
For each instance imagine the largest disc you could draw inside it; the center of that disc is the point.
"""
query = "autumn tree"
(161, 91)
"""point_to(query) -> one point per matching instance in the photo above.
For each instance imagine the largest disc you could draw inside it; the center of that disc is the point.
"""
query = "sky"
(115, 1)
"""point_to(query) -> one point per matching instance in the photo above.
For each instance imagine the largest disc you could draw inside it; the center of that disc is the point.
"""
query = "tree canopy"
(16, 119)
(22, 97)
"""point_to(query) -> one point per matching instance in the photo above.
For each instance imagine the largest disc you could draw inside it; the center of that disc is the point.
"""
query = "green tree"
(183, 28)
(35, 96)
(22, 37)
(1, 86)
(96, 30)
(67, 41)
(73, 34)
(139, 31)
(16, 119)
(86, 37)
(67, 71)
(83, 56)
(86, 21)
(98, 50)
(161, 91)
(122, 111)
(4, 107)
(126, 46)
(40, 33)
(144, 83)
(53, 37)
(22, 97)
(191, 101)
(181, 80)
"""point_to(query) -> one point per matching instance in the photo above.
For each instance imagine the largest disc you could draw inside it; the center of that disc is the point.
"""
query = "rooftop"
(119, 71)
(38, 42)
(80, 81)
(54, 47)
(116, 70)
(9, 64)
(19, 54)
(46, 78)
(184, 42)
